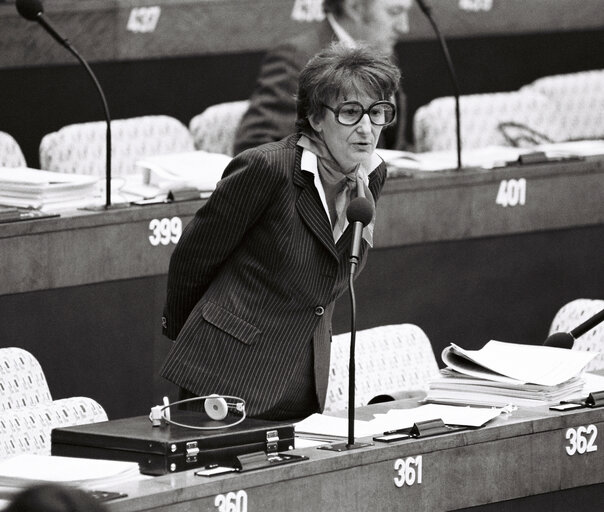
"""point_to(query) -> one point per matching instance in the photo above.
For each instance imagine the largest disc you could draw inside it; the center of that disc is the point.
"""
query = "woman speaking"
(253, 281)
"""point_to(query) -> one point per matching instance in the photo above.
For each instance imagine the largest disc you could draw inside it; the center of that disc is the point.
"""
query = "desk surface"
(113, 30)
(81, 247)
(525, 453)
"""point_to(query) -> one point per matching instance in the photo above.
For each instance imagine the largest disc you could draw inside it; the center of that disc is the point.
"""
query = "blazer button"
(319, 310)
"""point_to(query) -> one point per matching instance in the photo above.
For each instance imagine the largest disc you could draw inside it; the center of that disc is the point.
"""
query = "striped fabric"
(253, 280)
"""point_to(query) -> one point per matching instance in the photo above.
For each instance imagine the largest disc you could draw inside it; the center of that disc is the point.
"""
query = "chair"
(484, 118)
(215, 128)
(572, 315)
(10, 152)
(578, 100)
(80, 148)
(27, 411)
(389, 359)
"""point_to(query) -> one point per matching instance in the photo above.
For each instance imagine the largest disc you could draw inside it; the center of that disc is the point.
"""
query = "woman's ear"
(316, 124)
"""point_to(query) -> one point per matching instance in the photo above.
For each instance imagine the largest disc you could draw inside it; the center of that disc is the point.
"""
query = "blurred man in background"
(272, 112)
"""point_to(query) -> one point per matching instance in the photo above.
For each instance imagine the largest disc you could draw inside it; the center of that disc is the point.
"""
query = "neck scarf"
(339, 186)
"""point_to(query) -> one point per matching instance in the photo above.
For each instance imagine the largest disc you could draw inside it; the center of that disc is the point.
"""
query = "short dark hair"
(54, 497)
(340, 70)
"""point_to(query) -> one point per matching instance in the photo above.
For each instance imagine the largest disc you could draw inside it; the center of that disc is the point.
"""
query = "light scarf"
(339, 186)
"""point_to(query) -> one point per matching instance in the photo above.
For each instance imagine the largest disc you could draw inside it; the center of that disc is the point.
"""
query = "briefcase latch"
(272, 441)
(192, 451)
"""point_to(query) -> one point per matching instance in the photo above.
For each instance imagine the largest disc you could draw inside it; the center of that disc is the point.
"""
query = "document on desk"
(26, 469)
(517, 363)
(318, 425)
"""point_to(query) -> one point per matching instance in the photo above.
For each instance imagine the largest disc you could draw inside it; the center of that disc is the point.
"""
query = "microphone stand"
(451, 69)
(350, 444)
(30, 14)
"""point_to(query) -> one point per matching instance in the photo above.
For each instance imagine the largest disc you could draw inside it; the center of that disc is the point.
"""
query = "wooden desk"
(523, 457)
(84, 292)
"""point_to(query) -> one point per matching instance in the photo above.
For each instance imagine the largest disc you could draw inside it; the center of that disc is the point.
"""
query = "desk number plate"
(408, 471)
(581, 440)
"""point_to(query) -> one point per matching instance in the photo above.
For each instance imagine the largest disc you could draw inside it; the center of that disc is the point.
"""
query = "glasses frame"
(336, 111)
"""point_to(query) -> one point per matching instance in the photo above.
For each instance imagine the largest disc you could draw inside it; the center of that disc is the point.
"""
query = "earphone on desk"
(215, 406)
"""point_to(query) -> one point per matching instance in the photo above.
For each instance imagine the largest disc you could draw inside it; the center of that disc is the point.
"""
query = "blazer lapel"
(311, 210)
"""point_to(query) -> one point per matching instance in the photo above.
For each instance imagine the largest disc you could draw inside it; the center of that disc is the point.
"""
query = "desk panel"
(84, 292)
(142, 29)
(516, 456)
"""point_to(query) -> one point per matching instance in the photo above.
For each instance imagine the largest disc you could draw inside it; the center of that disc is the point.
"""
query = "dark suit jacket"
(253, 278)
(272, 111)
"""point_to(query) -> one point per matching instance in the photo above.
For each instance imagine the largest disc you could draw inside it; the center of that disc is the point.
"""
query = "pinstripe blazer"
(254, 276)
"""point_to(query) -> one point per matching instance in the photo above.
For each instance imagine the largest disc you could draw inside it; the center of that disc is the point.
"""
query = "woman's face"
(349, 145)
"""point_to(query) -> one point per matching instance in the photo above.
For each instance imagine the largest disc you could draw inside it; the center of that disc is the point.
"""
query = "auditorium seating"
(80, 148)
(578, 100)
(214, 129)
(10, 152)
(483, 121)
(572, 315)
(389, 359)
(27, 411)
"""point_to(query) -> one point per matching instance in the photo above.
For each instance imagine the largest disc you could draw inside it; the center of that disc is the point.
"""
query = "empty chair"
(27, 411)
(578, 100)
(389, 359)
(519, 118)
(215, 128)
(80, 148)
(10, 152)
(572, 315)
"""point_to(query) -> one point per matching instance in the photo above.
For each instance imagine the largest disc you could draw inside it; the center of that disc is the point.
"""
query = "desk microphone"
(32, 10)
(567, 339)
(426, 9)
(359, 213)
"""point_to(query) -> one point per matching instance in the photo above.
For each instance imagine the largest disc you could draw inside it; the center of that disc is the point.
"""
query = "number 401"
(511, 193)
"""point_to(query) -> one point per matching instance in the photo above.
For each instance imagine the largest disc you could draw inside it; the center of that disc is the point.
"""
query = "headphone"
(215, 406)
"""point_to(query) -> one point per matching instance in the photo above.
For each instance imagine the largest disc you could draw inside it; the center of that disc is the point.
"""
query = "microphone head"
(560, 340)
(30, 9)
(359, 210)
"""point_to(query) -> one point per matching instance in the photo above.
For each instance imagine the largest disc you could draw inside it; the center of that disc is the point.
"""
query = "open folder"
(509, 373)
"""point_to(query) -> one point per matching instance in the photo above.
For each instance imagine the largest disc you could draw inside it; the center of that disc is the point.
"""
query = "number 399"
(165, 231)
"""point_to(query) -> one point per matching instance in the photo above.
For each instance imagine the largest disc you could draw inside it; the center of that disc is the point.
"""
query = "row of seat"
(390, 360)
(551, 109)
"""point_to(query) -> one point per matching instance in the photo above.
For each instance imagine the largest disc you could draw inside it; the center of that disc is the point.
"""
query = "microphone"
(359, 213)
(567, 339)
(32, 10)
(425, 8)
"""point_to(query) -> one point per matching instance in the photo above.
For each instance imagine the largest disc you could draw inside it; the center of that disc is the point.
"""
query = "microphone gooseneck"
(359, 213)
(443, 45)
(33, 10)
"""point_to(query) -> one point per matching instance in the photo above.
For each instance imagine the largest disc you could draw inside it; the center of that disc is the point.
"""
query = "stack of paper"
(198, 169)
(45, 190)
(24, 470)
(509, 373)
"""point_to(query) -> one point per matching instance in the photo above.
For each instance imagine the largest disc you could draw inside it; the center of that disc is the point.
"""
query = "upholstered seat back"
(27, 411)
(389, 359)
(10, 152)
(578, 99)
(485, 121)
(215, 128)
(80, 148)
(572, 315)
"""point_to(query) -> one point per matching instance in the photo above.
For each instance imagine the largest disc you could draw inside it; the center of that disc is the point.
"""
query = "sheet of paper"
(537, 364)
(324, 425)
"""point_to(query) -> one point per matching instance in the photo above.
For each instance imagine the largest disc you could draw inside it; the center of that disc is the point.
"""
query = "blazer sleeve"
(272, 111)
(217, 228)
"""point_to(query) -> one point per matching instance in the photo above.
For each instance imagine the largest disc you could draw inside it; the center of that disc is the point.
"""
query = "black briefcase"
(171, 448)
